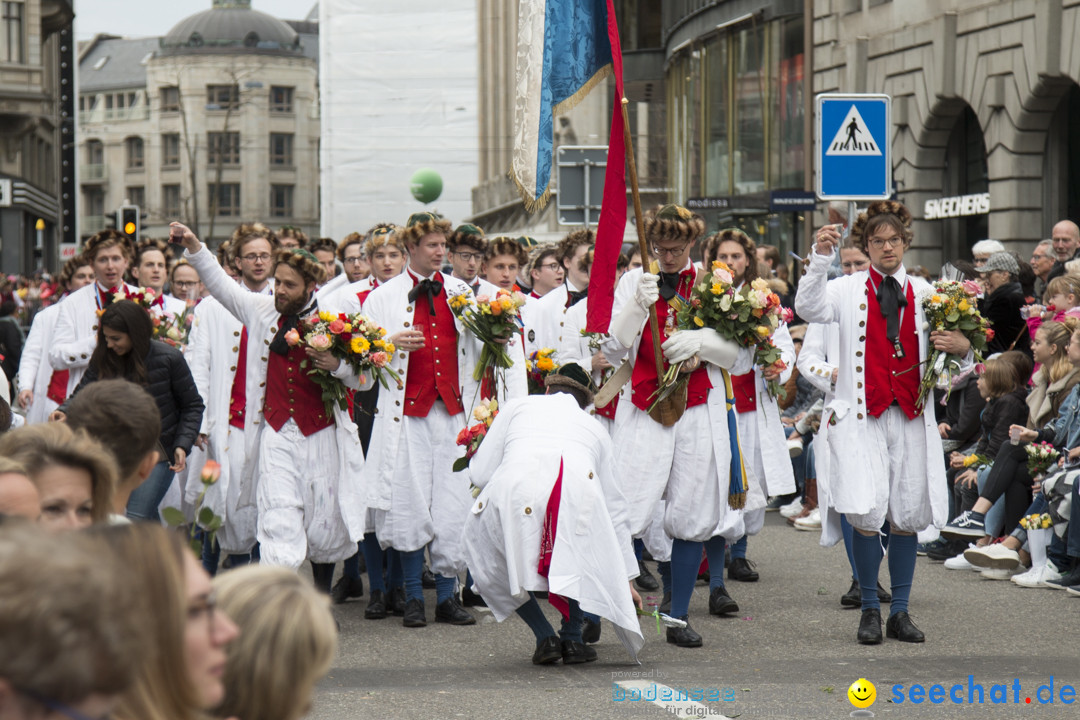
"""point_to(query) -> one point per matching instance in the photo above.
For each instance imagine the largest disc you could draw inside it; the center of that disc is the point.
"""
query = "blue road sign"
(853, 161)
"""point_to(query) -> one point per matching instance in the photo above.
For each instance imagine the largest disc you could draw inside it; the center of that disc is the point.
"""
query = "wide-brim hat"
(574, 376)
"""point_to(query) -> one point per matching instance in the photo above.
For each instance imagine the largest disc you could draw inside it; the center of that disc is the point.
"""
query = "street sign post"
(580, 180)
(853, 158)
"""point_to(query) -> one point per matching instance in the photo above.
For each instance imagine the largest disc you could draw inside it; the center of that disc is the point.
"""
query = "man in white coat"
(308, 465)
(683, 460)
(419, 502)
(560, 528)
(884, 452)
(545, 319)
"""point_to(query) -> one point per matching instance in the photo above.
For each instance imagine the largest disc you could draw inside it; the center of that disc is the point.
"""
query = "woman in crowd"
(75, 476)
(287, 643)
(125, 351)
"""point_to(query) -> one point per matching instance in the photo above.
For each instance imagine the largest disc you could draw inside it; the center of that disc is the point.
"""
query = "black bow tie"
(890, 297)
(287, 323)
(574, 296)
(669, 283)
(429, 287)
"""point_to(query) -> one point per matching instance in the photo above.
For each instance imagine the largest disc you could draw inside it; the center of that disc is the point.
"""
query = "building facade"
(214, 123)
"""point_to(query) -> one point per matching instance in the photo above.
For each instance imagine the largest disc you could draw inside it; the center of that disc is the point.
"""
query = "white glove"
(648, 292)
(682, 345)
(718, 350)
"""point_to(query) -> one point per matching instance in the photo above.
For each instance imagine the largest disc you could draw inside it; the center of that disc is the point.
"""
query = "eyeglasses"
(59, 707)
(469, 257)
(669, 252)
(878, 243)
(181, 284)
(353, 260)
(257, 258)
(552, 266)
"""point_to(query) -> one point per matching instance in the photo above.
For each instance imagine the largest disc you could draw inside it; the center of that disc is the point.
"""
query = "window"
(135, 159)
(222, 97)
(95, 152)
(136, 195)
(93, 201)
(170, 99)
(170, 201)
(281, 149)
(227, 196)
(13, 31)
(281, 99)
(170, 149)
(223, 148)
(281, 201)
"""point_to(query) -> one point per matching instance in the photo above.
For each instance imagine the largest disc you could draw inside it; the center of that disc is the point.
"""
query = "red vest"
(290, 393)
(58, 385)
(745, 387)
(889, 378)
(362, 295)
(644, 379)
(238, 398)
(433, 369)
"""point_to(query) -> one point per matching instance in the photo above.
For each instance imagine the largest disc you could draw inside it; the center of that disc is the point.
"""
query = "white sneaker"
(960, 563)
(998, 573)
(995, 556)
(1033, 578)
(1051, 572)
(792, 509)
(810, 522)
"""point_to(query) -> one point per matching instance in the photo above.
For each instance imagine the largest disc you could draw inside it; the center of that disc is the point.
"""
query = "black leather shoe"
(645, 580)
(590, 631)
(376, 607)
(450, 611)
(428, 578)
(414, 614)
(742, 570)
(395, 601)
(853, 597)
(684, 637)
(346, 588)
(900, 627)
(720, 603)
(870, 627)
(665, 604)
(575, 653)
(548, 651)
(883, 594)
(471, 599)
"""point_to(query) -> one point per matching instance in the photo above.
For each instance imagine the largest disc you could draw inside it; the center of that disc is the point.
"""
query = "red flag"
(610, 229)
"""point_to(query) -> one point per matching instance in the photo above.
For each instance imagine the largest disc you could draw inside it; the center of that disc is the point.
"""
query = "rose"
(292, 338)
(210, 473)
(971, 287)
(320, 342)
(378, 359)
(337, 327)
(723, 276)
(989, 334)
(764, 330)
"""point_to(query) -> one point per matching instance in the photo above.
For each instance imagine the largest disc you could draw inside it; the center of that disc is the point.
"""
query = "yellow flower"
(760, 284)
(348, 327)
(379, 345)
(764, 330)
(382, 332)
(326, 317)
(935, 299)
(717, 288)
(963, 306)
(698, 321)
(389, 348)
(359, 345)
(507, 303)
(545, 364)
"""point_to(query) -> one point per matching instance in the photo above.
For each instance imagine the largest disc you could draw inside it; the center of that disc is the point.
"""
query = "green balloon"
(426, 185)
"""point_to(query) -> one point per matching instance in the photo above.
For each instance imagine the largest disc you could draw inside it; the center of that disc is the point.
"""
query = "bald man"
(18, 496)
(1066, 242)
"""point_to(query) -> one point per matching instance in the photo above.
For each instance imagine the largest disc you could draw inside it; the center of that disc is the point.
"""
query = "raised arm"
(813, 302)
(243, 305)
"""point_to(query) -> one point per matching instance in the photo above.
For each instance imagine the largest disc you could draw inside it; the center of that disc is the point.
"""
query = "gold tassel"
(737, 502)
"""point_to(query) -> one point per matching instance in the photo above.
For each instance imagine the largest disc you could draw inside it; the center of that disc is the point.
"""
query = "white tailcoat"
(75, 336)
(592, 559)
(844, 301)
(258, 314)
(35, 370)
(346, 299)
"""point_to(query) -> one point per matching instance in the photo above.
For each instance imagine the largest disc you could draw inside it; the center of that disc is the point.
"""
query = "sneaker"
(1033, 578)
(1063, 580)
(950, 549)
(926, 548)
(777, 501)
(811, 522)
(1074, 590)
(995, 556)
(792, 509)
(959, 563)
(965, 525)
(998, 573)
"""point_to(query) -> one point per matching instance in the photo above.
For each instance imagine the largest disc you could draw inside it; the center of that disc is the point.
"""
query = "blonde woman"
(184, 635)
(288, 640)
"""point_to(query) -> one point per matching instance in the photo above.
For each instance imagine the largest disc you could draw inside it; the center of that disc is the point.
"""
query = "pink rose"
(972, 288)
(379, 359)
(320, 342)
(148, 292)
(292, 337)
(337, 327)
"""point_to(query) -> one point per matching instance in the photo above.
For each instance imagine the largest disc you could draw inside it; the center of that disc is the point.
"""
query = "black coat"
(1002, 309)
(962, 411)
(169, 382)
(1000, 414)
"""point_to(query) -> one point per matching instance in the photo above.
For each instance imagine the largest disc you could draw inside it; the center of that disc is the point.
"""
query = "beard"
(290, 307)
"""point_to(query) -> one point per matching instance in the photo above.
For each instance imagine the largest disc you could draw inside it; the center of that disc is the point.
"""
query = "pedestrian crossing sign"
(853, 160)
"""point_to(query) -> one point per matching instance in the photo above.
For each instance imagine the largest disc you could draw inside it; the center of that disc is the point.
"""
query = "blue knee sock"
(848, 531)
(571, 625)
(533, 616)
(395, 575)
(639, 548)
(373, 558)
(664, 568)
(901, 569)
(714, 550)
(867, 552)
(412, 568)
(444, 587)
(685, 561)
(738, 550)
(351, 567)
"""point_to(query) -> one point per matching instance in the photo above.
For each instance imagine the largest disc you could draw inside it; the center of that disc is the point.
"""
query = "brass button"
(266, 341)
(236, 349)
(291, 391)
(84, 356)
(479, 506)
(397, 419)
(858, 353)
(860, 401)
(858, 368)
(273, 329)
(406, 324)
(408, 309)
(94, 327)
(862, 306)
(236, 333)
(262, 384)
(862, 323)
(232, 369)
(71, 358)
(862, 338)
(590, 474)
(859, 384)
(265, 359)
(402, 356)
(436, 361)
(397, 402)
(860, 416)
(528, 511)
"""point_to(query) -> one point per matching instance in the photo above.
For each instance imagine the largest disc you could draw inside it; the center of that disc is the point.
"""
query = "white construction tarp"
(398, 83)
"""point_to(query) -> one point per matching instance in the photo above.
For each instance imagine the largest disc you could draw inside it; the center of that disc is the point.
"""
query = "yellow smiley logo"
(862, 693)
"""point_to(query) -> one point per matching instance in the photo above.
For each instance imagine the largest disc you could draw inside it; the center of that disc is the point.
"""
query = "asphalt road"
(790, 652)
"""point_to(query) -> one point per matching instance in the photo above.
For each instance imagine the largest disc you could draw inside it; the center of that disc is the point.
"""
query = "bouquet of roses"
(173, 329)
(490, 319)
(1040, 457)
(539, 365)
(950, 305)
(1036, 521)
(470, 437)
(145, 297)
(353, 339)
(204, 516)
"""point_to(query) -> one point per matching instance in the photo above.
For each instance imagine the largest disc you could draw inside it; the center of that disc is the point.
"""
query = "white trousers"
(237, 533)
(297, 498)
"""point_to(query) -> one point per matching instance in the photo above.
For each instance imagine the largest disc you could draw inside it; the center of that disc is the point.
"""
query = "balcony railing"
(93, 172)
(99, 115)
(93, 224)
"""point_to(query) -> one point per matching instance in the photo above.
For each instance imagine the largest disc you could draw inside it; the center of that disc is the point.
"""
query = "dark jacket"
(169, 382)
(962, 411)
(11, 345)
(1000, 414)
(1002, 309)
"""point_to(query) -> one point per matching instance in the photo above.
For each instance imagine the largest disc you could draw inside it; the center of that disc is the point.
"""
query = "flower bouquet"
(950, 305)
(353, 339)
(172, 328)
(1036, 521)
(470, 437)
(493, 321)
(205, 517)
(539, 365)
(1040, 458)
(145, 297)
(976, 461)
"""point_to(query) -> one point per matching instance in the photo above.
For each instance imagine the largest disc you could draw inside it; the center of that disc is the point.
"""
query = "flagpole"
(631, 165)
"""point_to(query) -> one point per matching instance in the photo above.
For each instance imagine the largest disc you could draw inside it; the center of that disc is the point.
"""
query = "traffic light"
(128, 221)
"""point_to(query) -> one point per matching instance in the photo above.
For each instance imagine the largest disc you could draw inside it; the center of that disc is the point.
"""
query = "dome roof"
(231, 24)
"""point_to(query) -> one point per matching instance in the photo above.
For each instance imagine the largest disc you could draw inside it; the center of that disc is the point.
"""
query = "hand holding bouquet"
(493, 321)
(1040, 458)
(470, 437)
(950, 305)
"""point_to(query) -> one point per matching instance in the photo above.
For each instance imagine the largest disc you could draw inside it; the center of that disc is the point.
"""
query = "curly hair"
(302, 262)
(353, 238)
(883, 212)
(423, 223)
(71, 267)
(291, 231)
(324, 244)
(503, 245)
(383, 234)
(672, 222)
(246, 232)
(108, 238)
(712, 248)
(149, 245)
(225, 255)
(573, 240)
